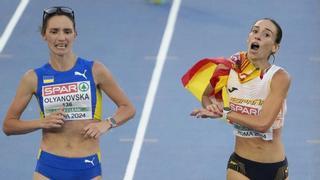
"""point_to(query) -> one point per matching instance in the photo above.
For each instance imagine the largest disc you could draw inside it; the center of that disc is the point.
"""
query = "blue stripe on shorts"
(63, 168)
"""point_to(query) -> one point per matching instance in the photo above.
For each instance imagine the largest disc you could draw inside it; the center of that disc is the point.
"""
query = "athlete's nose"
(257, 37)
(61, 36)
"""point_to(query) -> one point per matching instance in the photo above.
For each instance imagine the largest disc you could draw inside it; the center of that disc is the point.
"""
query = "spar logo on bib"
(83, 87)
(60, 89)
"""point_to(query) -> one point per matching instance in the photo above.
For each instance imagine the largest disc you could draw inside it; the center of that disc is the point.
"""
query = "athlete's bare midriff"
(68, 141)
(259, 150)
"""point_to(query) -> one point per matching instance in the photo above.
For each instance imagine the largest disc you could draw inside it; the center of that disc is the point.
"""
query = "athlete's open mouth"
(255, 46)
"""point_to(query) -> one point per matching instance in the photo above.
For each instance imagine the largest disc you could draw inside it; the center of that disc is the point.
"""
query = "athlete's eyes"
(254, 31)
(53, 31)
(266, 34)
(67, 31)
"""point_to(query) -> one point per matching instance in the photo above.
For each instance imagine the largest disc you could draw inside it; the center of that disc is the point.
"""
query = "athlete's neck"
(62, 63)
(261, 64)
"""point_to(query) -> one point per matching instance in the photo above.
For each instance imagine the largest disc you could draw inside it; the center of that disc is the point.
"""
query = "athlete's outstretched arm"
(13, 124)
(271, 107)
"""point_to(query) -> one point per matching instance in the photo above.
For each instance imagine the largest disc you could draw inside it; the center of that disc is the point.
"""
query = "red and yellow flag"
(245, 69)
(205, 71)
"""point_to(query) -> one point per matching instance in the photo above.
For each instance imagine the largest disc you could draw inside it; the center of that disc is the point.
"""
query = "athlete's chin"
(61, 52)
(254, 55)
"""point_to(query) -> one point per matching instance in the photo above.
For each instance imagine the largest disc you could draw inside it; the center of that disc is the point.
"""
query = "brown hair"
(57, 11)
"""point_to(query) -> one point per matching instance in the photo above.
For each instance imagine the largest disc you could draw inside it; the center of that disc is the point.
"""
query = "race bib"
(249, 133)
(75, 97)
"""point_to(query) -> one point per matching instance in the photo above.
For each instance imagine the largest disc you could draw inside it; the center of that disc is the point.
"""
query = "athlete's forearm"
(16, 127)
(124, 113)
(254, 122)
(205, 101)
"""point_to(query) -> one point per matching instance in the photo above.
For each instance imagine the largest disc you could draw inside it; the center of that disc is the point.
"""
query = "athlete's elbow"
(6, 129)
(7, 133)
(263, 127)
(9, 126)
(132, 112)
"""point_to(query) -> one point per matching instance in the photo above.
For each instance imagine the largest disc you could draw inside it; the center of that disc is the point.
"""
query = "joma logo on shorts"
(60, 89)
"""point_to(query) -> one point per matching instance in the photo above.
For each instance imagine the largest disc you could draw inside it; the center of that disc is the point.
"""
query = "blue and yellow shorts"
(58, 167)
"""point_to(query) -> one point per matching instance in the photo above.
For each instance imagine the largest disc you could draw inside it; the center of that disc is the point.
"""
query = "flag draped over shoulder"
(205, 71)
(245, 69)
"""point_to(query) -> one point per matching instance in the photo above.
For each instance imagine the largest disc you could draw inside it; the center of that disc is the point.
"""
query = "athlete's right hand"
(216, 108)
(204, 113)
(53, 120)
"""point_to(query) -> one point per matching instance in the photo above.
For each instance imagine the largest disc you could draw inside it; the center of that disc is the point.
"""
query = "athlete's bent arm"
(125, 110)
(279, 87)
(13, 124)
(109, 86)
(212, 107)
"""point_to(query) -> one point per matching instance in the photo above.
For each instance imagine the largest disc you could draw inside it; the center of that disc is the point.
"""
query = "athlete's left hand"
(95, 130)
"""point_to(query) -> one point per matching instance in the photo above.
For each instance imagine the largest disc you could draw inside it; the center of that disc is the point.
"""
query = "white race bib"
(249, 133)
(75, 97)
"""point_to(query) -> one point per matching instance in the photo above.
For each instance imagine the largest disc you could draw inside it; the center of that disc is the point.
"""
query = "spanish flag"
(205, 71)
(245, 69)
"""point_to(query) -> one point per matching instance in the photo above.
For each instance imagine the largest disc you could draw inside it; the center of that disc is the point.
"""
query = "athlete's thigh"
(38, 176)
(234, 175)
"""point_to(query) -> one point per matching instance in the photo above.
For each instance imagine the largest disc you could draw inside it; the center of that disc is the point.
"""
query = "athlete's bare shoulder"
(101, 73)
(29, 81)
(281, 81)
(282, 76)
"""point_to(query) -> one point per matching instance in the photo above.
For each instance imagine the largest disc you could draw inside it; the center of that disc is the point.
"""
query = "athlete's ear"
(44, 37)
(275, 48)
